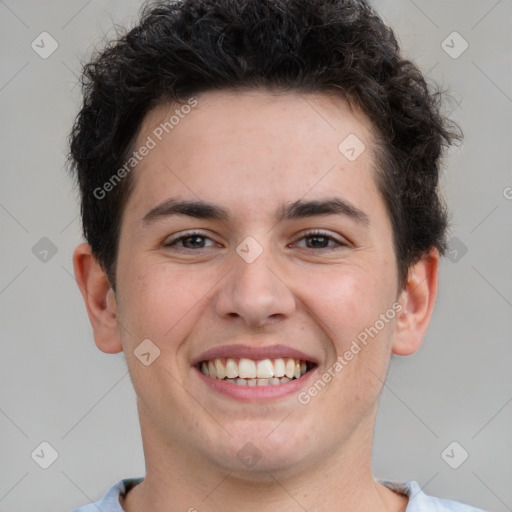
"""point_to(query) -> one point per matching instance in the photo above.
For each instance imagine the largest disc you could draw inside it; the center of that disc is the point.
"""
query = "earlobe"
(99, 299)
(417, 301)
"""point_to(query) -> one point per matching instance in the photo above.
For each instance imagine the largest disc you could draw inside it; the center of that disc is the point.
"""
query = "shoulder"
(110, 501)
(421, 502)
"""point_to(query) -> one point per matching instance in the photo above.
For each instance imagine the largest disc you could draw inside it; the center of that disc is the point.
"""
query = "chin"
(259, 449)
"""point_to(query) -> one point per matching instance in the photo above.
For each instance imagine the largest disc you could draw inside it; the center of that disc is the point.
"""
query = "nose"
(256, 292)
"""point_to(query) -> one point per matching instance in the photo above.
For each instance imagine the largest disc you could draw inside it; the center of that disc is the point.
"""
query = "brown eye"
(193, 242)
(320, 240)
(189, 241)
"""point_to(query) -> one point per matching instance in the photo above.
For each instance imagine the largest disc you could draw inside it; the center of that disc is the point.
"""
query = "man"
(259, 199)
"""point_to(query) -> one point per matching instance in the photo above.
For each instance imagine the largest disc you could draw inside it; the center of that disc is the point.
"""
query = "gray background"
(56, 386)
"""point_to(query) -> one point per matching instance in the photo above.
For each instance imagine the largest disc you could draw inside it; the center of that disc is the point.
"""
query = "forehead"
(255, 117)
(253, 148)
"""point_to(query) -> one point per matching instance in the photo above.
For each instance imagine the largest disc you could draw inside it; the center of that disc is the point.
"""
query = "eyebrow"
(295, 210)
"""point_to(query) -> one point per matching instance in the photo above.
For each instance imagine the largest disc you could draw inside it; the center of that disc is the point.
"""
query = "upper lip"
(239, 351)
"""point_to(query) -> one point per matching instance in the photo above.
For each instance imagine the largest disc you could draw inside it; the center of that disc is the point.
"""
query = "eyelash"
(310, 234)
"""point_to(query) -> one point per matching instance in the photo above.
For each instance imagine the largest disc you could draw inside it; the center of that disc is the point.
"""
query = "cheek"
(345, 300)
(165, 301)
(348, 304)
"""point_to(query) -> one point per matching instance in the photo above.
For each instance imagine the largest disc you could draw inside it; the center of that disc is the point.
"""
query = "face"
(292, 261)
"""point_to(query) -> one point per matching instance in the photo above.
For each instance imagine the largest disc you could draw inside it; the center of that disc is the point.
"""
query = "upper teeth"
(243, 368)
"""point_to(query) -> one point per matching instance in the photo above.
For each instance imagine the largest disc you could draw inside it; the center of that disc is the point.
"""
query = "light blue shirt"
(418, 500)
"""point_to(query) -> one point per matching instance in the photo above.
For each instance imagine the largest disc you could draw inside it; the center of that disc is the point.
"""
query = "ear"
(417, 300)
(99, 299)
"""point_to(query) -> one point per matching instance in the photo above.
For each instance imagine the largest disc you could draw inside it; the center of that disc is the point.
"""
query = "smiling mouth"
(249, 372)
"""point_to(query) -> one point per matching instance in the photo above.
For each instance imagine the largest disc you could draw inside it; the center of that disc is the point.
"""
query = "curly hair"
(182, 48)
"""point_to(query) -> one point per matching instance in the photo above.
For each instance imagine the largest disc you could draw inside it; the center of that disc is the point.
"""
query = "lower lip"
(249, 393)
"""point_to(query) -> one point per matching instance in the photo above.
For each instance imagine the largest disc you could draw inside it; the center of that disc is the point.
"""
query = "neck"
(176, 480)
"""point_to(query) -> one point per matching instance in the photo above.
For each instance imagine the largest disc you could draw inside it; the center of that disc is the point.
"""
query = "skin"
(251, 152)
